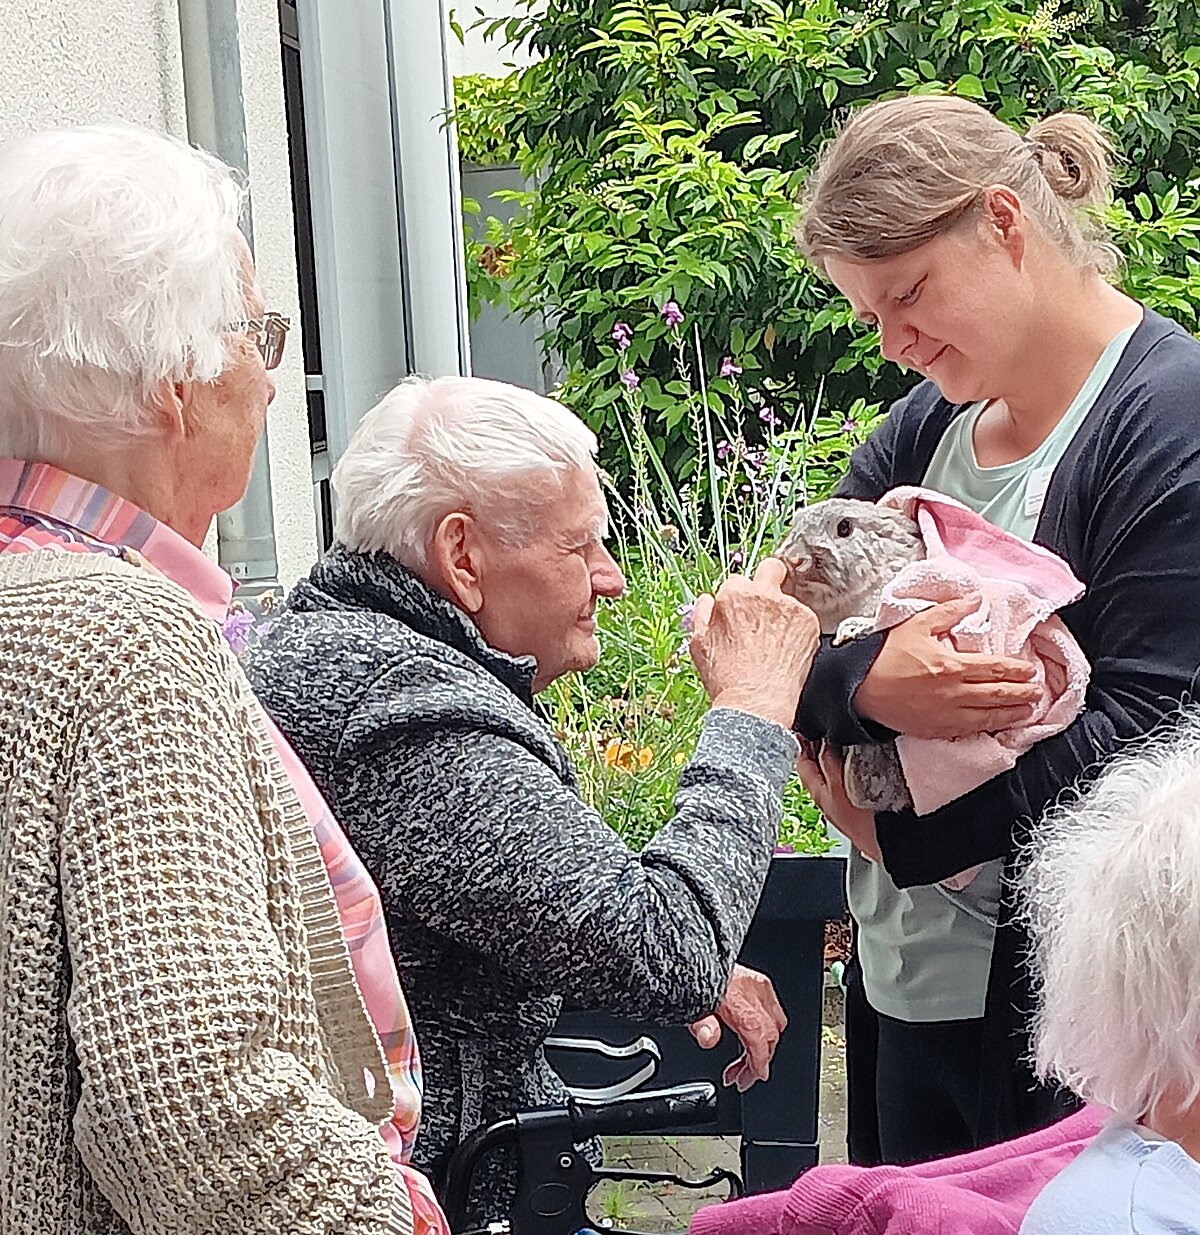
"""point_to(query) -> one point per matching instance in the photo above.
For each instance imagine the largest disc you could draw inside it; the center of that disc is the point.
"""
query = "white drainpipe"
(216, 120)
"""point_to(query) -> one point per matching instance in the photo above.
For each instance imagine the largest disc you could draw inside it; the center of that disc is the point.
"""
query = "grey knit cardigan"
(504, 893)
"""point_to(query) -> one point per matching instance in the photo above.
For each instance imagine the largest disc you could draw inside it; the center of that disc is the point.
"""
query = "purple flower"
(768, 417)
(756, 460)
(736, 558)
(724, 450)
(728, 368)
(236, 628)
(686, 613)
(784, 849)
(672, 314)
(630, 380)
(849, 424)
(622, 335)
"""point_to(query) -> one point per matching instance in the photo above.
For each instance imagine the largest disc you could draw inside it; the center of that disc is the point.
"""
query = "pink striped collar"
(90, 510)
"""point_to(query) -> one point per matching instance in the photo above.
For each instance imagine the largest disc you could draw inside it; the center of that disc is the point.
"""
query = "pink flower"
(672, 314)
(622, 335)
(630, 380)
(728, 368)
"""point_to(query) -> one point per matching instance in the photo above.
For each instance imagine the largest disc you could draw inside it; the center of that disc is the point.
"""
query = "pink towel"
(982, 1193)
(1021, 586)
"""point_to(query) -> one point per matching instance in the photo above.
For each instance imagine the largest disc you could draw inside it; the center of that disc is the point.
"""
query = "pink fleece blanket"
(1020, 586)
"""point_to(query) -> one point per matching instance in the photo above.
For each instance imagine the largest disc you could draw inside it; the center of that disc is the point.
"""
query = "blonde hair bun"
(1075, 156)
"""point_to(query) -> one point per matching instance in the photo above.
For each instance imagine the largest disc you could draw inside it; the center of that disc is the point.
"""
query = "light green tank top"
(926, 952)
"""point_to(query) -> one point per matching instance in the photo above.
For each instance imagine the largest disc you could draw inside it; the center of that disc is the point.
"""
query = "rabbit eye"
(844, 528)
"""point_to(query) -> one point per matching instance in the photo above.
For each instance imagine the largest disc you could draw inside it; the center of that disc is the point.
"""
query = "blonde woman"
(1063, 411)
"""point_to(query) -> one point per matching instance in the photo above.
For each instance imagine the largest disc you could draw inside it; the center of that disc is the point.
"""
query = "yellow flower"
(679, 758)
(626, 757)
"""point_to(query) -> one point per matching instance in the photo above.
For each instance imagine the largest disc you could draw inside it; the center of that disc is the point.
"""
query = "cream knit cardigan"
(183, 1047)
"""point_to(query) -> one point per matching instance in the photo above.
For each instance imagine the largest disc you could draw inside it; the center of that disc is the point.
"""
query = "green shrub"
(665, 142)
(633, 721)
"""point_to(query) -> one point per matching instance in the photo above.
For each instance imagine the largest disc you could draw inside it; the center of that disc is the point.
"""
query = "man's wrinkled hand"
(753, 646)
(752, 1010)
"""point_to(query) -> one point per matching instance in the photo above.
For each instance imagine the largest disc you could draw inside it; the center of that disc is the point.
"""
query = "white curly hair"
(1111, 894)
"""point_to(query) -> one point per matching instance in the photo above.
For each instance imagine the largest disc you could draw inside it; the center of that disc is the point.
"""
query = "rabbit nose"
(801, 564)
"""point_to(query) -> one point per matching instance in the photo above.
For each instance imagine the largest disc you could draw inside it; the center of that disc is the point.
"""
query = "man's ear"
(456, 561)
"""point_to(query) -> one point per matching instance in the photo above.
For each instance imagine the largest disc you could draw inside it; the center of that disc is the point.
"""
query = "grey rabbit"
(840, 555)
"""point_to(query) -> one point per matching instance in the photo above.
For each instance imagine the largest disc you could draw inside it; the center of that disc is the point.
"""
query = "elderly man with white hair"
(469, 562)
(1112, 898)
(184, 1046)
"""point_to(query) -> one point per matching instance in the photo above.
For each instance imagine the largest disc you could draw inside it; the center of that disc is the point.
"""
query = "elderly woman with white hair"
(183, 1044)
(469, 562)
(1112, 898)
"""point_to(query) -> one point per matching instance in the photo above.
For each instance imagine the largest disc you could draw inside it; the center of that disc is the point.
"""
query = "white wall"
(78, 61)
(75, 61)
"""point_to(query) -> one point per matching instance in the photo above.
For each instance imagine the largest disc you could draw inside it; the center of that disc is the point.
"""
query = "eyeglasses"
(269, 333)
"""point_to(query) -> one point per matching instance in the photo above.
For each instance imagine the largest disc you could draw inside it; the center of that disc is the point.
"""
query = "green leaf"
(1156, 120)
(969, 87)
(829, 91)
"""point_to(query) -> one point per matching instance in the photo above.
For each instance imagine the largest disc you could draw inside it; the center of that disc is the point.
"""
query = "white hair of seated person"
(431, 446)
(121, 268)
(1112, 897)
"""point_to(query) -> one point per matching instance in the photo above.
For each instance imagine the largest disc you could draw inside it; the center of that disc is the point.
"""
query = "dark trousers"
(921, 1090)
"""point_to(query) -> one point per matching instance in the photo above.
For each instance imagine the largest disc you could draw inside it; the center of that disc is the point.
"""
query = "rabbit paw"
(853, 628)
(875, 779)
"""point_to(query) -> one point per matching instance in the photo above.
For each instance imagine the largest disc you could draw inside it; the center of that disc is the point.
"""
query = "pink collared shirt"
(44, 507)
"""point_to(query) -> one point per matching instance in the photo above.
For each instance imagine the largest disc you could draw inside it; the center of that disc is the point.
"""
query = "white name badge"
(1035, 490)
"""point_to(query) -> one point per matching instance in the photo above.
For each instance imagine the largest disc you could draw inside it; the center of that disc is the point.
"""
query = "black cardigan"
(1123, 509)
